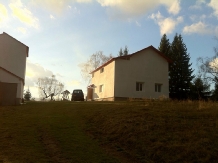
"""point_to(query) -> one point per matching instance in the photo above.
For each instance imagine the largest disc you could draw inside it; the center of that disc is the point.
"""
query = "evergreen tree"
(199, 89)
(125, 51)
(215, 93)
(27, 95)
(180, 74)
(165, 46)
(120, 52)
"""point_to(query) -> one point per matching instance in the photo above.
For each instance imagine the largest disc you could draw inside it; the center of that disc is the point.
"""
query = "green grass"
(136, 131)
(47, 132)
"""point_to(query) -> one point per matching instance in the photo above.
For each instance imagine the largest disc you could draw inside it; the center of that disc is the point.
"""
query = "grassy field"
(109, 132)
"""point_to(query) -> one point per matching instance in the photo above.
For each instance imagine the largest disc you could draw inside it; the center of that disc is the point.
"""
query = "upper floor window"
(101, 88)
(158, 87)
(102, 70)
(139, 86)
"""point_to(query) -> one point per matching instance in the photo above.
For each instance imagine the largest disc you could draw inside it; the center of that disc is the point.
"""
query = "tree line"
(183, 84)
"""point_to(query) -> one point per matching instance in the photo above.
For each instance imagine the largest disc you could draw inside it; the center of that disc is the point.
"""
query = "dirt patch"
(51, 147)
(119, 154)
(114, 150)
(4, 160)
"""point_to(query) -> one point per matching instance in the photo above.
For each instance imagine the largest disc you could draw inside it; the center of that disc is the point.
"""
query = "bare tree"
(208, 67)
(49, 87)
(95, 61)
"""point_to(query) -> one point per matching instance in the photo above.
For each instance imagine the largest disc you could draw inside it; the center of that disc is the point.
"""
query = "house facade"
(143, 74)
(12, 69)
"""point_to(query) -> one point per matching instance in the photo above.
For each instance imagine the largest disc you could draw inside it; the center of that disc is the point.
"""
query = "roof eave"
(13, 74)
(130, 55)
(106, 63)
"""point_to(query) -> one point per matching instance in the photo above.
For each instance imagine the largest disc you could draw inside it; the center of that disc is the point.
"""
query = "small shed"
(90, 92)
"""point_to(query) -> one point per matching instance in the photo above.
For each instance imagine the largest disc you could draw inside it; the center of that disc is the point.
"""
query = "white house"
(143, 74)
(13, 55)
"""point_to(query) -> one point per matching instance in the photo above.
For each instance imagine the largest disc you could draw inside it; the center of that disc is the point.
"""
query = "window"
(158, 87)
(139, 86)
(102, 70)
(101, 88)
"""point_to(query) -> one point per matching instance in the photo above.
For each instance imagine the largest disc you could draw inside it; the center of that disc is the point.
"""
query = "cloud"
(122, 8)
(57, 6)
(23, 14)
(199, 28)
(3, 13)
(214, 64)
(75, 11)
(129, 8)
(167, 25)
(54, 6)
(197, 17)
(83, 1)
(35, 71)
(22, 30)
(174, 8)
(74, 83)
(52, 17)
(214, 5)
(198, 5)
(138, 24)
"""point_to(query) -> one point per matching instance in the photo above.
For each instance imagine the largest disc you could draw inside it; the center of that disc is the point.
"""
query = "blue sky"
(61, 34)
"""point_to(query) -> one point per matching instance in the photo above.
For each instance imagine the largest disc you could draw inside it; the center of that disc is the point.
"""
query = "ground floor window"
(101, 88)
(139, 86)
(158, 87)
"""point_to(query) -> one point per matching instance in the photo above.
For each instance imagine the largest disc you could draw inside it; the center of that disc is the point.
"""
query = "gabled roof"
(12, 74)
(27, 48)
(130, 55)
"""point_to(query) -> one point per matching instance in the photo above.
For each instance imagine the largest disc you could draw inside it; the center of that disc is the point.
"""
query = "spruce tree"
(199, 89)
(215, 93)
(27, 95)
(125, 51)
(180, 74)
(120, 52)
(165, 46)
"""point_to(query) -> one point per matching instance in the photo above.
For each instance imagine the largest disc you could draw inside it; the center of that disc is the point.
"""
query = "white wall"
(146, 66)
(20, 90)
(106, 79)
(7, 77)
(13, 55)
(13, 59)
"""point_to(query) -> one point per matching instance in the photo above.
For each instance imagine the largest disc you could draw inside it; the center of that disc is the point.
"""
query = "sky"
(61, 34)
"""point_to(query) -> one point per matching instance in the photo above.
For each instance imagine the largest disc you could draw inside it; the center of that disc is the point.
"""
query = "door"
(8, 93)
